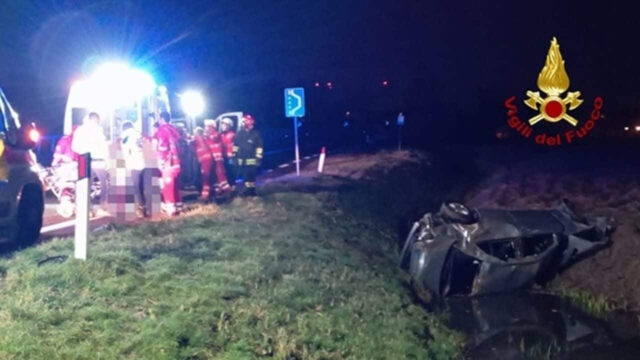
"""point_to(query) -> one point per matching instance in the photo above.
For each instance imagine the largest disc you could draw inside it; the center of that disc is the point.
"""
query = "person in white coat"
(89, 138)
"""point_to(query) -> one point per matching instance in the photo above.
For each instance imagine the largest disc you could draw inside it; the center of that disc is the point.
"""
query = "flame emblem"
(553, 81)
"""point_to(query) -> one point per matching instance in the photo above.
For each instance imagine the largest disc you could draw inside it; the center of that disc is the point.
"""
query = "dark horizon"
(449, 61)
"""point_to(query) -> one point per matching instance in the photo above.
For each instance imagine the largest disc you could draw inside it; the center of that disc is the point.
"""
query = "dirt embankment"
(598, 184)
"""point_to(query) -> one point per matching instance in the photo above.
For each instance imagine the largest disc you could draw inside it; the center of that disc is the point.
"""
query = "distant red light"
(385, 83)
(329, 84)
(317, 84)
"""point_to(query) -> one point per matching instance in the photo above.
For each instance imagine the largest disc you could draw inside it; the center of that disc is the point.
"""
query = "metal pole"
(295, 134)
(399, 138)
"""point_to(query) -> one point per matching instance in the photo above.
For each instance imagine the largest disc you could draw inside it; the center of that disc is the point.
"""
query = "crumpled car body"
(463, 251)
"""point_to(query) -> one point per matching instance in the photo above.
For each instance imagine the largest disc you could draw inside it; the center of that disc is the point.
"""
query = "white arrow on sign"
(293, 94)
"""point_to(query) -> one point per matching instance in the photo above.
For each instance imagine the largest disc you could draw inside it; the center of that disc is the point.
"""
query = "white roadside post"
(323, 154)
(83, 187)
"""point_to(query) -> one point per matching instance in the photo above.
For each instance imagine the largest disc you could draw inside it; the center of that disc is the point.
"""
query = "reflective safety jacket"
(203, 153)
(213, 140)
(247, 147)
(167, 138)
(227, 143)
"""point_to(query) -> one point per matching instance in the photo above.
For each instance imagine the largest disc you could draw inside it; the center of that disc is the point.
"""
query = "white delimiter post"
(323, 154)
(82, 207)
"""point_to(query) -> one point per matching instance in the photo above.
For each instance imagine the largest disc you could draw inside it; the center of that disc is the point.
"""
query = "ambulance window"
(236, 122)
(77, 116)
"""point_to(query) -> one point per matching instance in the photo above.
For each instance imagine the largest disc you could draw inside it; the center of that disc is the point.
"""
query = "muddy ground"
(597, 182)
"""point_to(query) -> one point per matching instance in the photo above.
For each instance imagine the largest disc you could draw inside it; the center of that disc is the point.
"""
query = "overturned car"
(463, 251)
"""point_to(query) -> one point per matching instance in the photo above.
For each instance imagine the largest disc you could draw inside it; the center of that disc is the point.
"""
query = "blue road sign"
(400, 119)
(294, 102)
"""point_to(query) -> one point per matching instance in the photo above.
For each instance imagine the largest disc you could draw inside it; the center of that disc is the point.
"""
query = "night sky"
(466, 57)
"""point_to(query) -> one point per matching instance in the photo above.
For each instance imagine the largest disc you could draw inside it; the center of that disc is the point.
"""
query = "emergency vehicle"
(21, 191)
(119, 93)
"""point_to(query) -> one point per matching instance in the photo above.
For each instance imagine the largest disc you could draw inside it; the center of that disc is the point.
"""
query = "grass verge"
(292, 275)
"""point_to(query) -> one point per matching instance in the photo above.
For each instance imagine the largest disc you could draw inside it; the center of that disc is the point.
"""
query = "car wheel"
(30, 211)
(457, 212)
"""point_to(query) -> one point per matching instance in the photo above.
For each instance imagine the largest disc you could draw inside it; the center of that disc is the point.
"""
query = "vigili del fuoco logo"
(552, 107)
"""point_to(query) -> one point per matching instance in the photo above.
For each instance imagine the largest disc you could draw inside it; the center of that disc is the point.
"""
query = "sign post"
(83, 187)
(400, 125)
(297, 149)
(294, 107)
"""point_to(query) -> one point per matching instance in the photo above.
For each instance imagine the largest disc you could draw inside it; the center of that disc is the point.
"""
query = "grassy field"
(308, 271)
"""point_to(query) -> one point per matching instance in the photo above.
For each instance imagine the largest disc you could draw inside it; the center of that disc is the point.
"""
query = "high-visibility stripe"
(249, 184)
(240, 161)
(252, 162)
(236, 148)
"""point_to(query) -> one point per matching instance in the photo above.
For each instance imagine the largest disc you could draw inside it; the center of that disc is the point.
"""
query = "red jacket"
(203, 153)
(213, 140)
(227, 143)
(167, 147)
(63, 152)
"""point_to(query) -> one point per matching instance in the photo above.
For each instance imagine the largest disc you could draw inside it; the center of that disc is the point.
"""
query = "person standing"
(205, 159)
(214, 142)
(167, 138)
(131, 146)
(247, 149)
(227, 135)
(89, 138)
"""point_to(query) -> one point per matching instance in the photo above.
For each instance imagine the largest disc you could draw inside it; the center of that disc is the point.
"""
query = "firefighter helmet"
(227, 121)
(209, 123)
(248, 121)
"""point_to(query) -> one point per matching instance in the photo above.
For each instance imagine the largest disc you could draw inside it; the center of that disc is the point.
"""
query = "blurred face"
(224, 127)
(248, 124)
(94, 119)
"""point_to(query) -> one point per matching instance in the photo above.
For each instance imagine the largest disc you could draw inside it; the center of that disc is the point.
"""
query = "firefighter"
(214, 142)
(167, 138)
(247, 152)
(205, 159)
(227, 135)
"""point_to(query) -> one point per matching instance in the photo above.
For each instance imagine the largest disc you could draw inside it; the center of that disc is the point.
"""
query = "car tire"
(458, 213)
(30, 212)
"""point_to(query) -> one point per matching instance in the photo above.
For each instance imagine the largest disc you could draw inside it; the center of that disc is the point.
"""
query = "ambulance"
(118, 93)
(21, 191)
